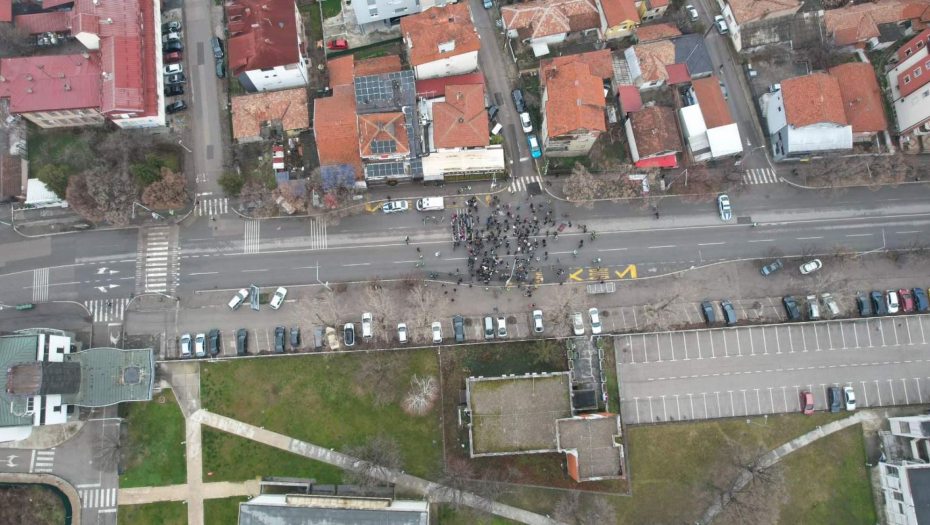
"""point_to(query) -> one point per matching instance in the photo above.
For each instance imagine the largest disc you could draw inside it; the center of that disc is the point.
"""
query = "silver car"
(723, 205)
(186, 345)
(595, 321)
(577, 323)
(394, 206)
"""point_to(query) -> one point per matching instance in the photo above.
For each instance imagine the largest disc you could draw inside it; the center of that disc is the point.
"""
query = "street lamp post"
(154, 215)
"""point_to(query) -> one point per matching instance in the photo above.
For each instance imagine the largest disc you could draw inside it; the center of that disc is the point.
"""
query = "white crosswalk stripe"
(42, 460)
(157, 260)
(317, 235)
(520, 183)
(252, 237)
(761, 176)
(40, 285)
(211, 207)
(103, 313)
(98, 498)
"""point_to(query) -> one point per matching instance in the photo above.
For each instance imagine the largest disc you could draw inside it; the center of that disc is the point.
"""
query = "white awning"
(540, 49)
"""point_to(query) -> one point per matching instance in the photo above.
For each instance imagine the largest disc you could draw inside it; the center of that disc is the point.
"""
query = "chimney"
(66, 86)
(85, 54)
(28, 90)
(265, 7)
(28, 77)
(61, 75)
(281, 25)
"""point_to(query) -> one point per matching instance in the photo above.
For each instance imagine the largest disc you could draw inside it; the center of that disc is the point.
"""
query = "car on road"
(242, 342)
(907, 300)
(813, 308)
(338, 43)
(862, 304)
(723, 206)
(577, 324)
(402, 333)
(707, 310)
(394, 206)
(501, 327)
(729, 313)
(518, 100)
(920, 299)
(217, 45)
(185, 345)
(278, 298)
(811, 266)
(458, 328)
(891, 299)
(348, 334)
(295, 337)
(175, 107)
(172, 47)
(220, 68)
(492, 112)
(173, 57)
(279, 333)
(171, 26)
(807, 402)
(692, 13)
(791, 308)
(526, 122)
(533, 143)
(174, 90)
(878, 303)
(537, 321)
(830, 304)
(771, 268)
(488, 4)
(436, 328)
(213, 342)
(595, 321)
(200, 345)
(721, 25)
(177, 78)
(171, 69)
(240, 298)
(849, 398)
(833, 398)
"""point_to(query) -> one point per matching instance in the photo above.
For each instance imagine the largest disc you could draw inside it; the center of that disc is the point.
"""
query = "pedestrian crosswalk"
(107, 310)
(40, 285)
(157, 262)
(211, 207)
(317, 235)
(97, 498)
(252, 237)
(520, 183)
(42, 460)
(761, 176)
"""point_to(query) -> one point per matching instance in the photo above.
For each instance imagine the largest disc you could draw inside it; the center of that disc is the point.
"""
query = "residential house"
(630, 99)
(651, 9)
(618, 18)
(743, 15)
(651, 32)
(290, 501)
(912, 46)
(573, 102)
(707, 124)
(904, 470)
(862, 99)
(676, 60)
(266, 48)
(389, 131)
(806, 117)
(382, 15)
(909, 92)
(117, 78)
(543, 22)
(653, 136)
(6, 10)
(436, 87)
(441, 41)
(335, 127)
(269, 115)
(860, 25)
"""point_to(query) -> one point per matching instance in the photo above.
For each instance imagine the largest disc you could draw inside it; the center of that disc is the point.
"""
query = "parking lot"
(732, 372)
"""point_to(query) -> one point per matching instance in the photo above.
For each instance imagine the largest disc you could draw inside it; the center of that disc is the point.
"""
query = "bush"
(232, 183)
(55, 177)
(147, 171)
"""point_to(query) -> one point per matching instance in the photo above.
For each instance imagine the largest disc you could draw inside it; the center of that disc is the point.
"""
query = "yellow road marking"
(574, 275)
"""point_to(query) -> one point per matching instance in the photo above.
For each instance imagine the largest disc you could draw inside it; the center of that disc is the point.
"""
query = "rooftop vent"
(61, 75)
(29, 77)
(28, 90)
(281, 25)
(85, 54)
(66, 86)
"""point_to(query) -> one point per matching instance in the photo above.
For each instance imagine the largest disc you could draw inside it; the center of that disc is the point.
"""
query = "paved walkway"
(223, 489)
(184, 378)
(775, 455)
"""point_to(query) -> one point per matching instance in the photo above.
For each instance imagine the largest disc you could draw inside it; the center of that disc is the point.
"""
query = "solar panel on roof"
(383, 146)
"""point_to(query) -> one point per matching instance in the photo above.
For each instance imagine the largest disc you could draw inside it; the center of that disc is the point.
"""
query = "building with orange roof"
(651, 9)
(335, 128)
(573, 108)
(912, 46)
(261, 116)
(806, 116)
(266, 48)
(862, 99)
(653, 137)
(707, 124)
(618, 18)
(859, 24)
(341, 71)
(441, 41)
(651, 32)
(544, 22)
(742, 14)
(674, 60)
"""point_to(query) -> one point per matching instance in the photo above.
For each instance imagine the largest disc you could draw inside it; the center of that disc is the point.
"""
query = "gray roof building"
(305, 509)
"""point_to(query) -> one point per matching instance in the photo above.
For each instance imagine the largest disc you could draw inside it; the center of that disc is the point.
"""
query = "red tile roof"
(862, 98)
(857, 23)
(52, 82)
(811, 99)
(618, 11)
(6, 10)
(250, 111)
(335, 127)
(56, 21)
(678, 73)
(913, 45)
(749, 10)
(377, 65)
(654, 59)
(655, 130)
(630, 98)
(713, 106)
(262, 34)
(575, 100)
(599, 63)
(913, 78)
(436, 87)
(656, 32)
(424, 32)
(541, 18)
(652, 4)
(461, 120)
(341, 71)
(382, 126)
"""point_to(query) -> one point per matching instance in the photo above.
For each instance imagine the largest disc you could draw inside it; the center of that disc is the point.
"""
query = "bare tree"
(14, 41)
(106, 453)
(462, 487)
(594, 511)
(427, 305)
(569, 299)
(383, 306)
(659, 315)
(169, 192)
(745, 498)
(581, 187)
(422, 394)
(379, 371)
(376, 458)
(326, 308)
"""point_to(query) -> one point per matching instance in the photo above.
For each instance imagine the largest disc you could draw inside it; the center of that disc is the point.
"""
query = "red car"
(173, 57)
(906, 300)
(338, 43)
(807, 402)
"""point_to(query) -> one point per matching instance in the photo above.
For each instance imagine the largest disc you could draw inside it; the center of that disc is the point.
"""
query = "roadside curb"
(54, 481)
(849, 186)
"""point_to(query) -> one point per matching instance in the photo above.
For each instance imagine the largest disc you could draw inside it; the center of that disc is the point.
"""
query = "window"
(907, 79)
(907, 52)
(891, 471)
(927, 64)
(926, 93)
(401, 10)
(897, 495)
(53, 113)
(917, 72)
(920, 44)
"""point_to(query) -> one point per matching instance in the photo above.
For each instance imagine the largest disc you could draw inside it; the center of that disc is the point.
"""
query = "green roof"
(15, 349)
(112, 375)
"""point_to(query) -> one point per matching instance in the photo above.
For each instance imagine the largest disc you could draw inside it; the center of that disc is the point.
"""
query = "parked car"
(177, 78)
(488, 324)
(185, 345)
(595, 321)
(436, 328)
(394, 206)
(492, 112)
(729, 313)
(830, 304)
(171, 69)
(526, 122)
(723, 206)
(242, 342)
(402, 332)
(348, 334)
(533, 143)
(771, 268)
(278, 298)
(862, 304)
(173, 25)
(217, 45)
(170, 37)
(577, 324)
(295, 337)
(707, 310)
(721, 25)
(200, 345)
(332, 339)
(920, 299)
(849, 398)
(833, 398)
(692, 13)
(807, 402)
(813, 308)
(220, 68)
(879, 306)
(488, 4)
(537, 321)
(458, 328)
(891, 298)
(906, 299)
(279, 333)
(173, 57)
(366, 326)
(213, 342)
(791, 308)
(518, 100)
(240, 298)
(175, 107)
(501, 327)
(338, 43)
(318, 338)
(171, 47)
(811, 266)
(174, 90)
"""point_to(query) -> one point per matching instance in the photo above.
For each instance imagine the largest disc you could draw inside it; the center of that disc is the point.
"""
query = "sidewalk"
(221, 489)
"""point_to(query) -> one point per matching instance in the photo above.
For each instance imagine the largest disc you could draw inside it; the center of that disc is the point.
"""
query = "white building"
(806, 117)
(738, 13)
(905, 471)
(441, 41)
(707, 124)
(910, 94)
(266, 48)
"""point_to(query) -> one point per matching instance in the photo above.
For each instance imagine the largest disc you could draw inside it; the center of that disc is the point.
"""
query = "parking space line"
(758, 400)
(920, 322)
(824, 392)
(684, 341)
(636, 402)
(777, 341)
(732, 407)
(907, 322)
(671, 345)
(829, 337)
(635, 322)
(891, 386)
(651, 415)
(718, 403)
(664, 408)
(697, 337)
(920, 397)
(658, 348)
(804, 339)
(739, 345)
(843, 335)
(745, 404)
(881, 329)
(791, 339)
(878, 392)
(865, 393)
(752, 346)
(645, 356)
(678, 405)
(725, 349)
(868, 330)
(907, 400)
(895, 330)
(784, 398)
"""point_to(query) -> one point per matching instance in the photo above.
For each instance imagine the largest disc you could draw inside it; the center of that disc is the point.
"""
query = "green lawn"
(221, 511)
(332, 400)
(153, 453)
(828, 482)
(163, 513)
(331, 8)
(441, 514)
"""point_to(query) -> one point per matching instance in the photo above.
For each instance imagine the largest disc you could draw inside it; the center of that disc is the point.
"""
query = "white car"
(892, 300)
(240, 298)
(537, 321)
(402, 332)
(199, 347)
(501, 327)
(437, 332)
(526, 122)
(171, 69)
(830, 303)
(849, 398)
(394, 206)
(811, 266)
(692, 13)
(366, 325)
(186, 345)
(278, 298)
(721, 25)
(595, 321)
(577, 324)
(723, 205)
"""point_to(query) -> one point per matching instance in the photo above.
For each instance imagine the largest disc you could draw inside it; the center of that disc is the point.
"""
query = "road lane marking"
(658, 247)
(711, 244)
(356, 264)
(762, 240)
(860, 234)
(808, 238)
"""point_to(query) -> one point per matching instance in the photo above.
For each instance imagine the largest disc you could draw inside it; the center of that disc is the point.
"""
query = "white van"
(366, 326)
(431, 204)
(497, 128)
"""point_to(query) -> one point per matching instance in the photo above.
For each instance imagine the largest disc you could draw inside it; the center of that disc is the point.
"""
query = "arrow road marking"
(9, 461)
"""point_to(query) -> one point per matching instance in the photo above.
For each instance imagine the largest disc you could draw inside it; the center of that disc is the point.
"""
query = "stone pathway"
(223, 489)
